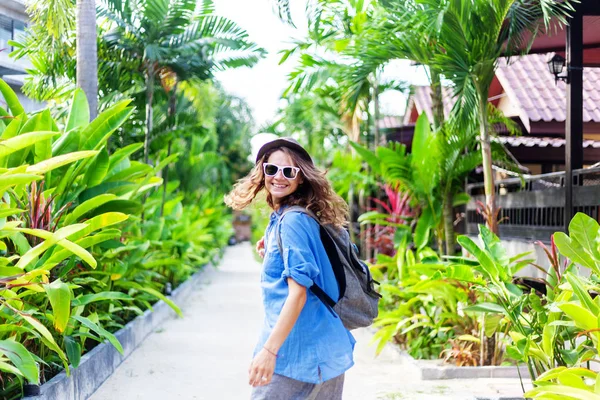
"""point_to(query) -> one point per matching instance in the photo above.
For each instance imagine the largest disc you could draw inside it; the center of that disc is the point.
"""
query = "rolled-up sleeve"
(297, 238)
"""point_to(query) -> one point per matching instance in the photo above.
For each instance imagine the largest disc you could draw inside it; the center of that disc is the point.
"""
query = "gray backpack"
(357, 305)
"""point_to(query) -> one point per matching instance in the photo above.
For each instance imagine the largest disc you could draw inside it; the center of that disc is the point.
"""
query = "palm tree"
(155, 35)
(459, 43)
(468, 43)
(87, 53)
(331, 28)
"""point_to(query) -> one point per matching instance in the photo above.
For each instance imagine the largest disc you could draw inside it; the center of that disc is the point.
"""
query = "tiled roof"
(421, 99)
(531, 87)
(528, 82)
(389, 122)
(529, 141)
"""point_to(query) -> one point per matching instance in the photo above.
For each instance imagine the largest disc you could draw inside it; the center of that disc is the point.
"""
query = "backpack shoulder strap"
(330, 248)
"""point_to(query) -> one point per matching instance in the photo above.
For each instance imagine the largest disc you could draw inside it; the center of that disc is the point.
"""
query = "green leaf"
(485, 261)
(97, 170)
(368, 156)
(21, 359)
(79, 116)
(59, 161)
(123, 206)
(99, 222)
(59, 239)
(423, 229)
(103, 188)
(73, 351)
(13, 128)
(581, 316)
(87, 206)
(19, 142)
(460, 199)
(90, 298)
(548, 337)
(154, 293)
(460, 272)
(6, 367)
(43, 122)
(574, 251)
(68, 142)
(123, 153)
(168, 160)
(86, 242)
(98, 131)
(567, 378)
(574, 393)
(486, 307)
(60, 299)
(17, 179)
(495, 249)
(582, 294)
(584, 230)
(103, 333)
(57, 236)
(11, 99)
(46, 335)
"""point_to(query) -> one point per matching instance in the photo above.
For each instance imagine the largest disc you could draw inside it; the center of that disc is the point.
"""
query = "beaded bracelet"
(270, 352)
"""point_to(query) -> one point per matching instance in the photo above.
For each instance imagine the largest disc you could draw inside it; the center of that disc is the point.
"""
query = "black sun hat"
(288, 142)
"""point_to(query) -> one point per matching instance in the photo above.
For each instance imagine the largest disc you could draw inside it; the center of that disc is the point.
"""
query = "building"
(525, 91)
(13, 22)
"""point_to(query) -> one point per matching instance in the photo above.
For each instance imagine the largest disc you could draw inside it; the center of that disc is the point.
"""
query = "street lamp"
(556, 65)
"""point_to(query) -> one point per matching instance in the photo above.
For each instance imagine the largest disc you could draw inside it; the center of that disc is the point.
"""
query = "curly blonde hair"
(315, 193)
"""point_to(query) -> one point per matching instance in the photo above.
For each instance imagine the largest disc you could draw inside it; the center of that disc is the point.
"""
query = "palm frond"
(284, 11)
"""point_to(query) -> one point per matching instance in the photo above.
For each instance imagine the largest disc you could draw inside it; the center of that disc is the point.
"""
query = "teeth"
(280, 186)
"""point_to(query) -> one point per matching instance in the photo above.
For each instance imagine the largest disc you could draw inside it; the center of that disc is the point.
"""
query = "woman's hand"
(261, 369)
(260, 247)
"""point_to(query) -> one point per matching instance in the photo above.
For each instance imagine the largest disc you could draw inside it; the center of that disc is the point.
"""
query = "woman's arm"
(263, 365)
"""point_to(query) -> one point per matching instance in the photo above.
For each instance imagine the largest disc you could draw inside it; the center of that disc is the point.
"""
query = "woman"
(303, 350)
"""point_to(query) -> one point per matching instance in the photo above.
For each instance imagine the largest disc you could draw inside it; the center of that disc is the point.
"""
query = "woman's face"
(279, 186)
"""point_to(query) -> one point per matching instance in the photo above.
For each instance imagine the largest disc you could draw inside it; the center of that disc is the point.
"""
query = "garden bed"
(99, 364)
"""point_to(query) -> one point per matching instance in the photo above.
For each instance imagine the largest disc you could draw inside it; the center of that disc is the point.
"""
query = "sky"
(262, 85)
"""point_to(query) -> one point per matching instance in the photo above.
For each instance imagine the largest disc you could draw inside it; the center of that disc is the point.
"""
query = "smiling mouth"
(279, 186)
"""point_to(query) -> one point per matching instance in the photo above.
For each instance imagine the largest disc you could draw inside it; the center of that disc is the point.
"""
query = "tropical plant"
(432, 173)
(74, 266)
(172, 40)
(421, 308)
(467, 45)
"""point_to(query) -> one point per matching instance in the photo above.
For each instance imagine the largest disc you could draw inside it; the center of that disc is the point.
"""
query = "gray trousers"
(284, 388)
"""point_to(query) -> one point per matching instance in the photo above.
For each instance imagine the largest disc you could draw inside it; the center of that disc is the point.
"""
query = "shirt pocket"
(273, 264)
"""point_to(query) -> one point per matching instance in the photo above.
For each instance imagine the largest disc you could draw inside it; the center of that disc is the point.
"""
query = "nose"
(279, 174)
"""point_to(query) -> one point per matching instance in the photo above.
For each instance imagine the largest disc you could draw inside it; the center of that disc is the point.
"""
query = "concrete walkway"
(206, 354)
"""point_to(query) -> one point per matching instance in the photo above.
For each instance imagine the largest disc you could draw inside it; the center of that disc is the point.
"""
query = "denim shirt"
(318, 347)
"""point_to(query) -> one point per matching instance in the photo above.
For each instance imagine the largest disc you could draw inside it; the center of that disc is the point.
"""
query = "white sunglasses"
(288, 172)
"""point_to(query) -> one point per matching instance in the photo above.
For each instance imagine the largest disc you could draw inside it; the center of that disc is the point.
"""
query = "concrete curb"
(436, 370)
(99, 364)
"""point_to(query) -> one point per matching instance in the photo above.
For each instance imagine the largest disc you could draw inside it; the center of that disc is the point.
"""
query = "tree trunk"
(437, 100)
(350, 216)
(149, 101)
(173, 122)
(488, 173)
(489, 344)
(377, 141)
(87, 53)
(165, 180)
(448, 212)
